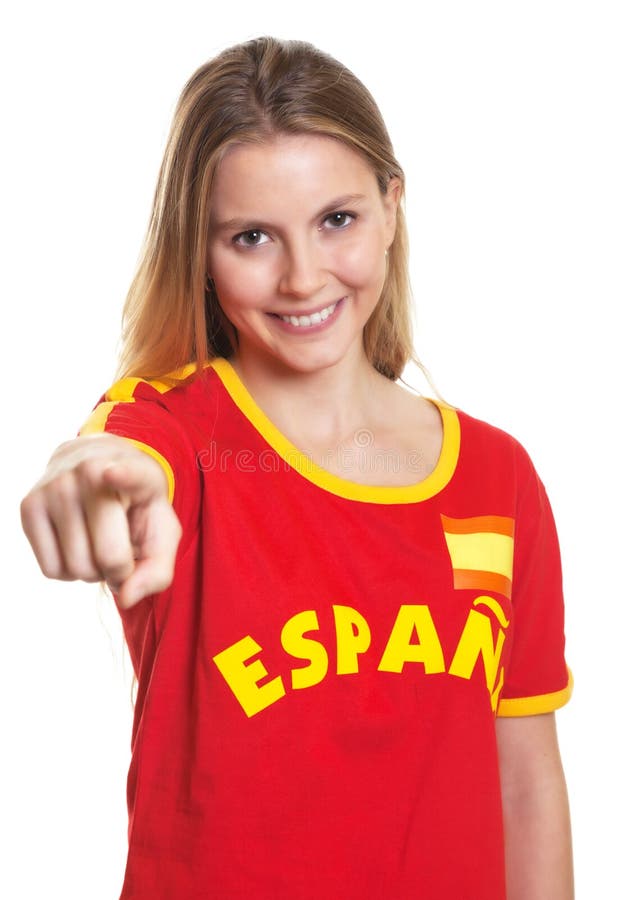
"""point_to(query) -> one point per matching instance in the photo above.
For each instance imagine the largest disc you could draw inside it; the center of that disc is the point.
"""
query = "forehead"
(290, 165)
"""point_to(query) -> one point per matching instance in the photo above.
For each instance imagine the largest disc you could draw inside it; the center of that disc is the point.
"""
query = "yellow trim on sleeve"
(97, 420)
(534, 706)
(123, 390)
(96, 423)
(166, 467)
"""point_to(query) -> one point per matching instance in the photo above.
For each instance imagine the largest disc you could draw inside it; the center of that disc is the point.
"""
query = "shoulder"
(183, 393)
(169, 387)
(485, 437)
(481, 430)
(485, 444)
(177, 404)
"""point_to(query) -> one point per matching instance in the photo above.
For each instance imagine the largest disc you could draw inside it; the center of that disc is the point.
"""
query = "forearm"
(538, 846)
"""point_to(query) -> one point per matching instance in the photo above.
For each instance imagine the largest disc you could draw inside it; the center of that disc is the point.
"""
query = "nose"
(303, 273)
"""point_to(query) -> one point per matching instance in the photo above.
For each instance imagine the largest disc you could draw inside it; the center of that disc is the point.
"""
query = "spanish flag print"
(481, 551)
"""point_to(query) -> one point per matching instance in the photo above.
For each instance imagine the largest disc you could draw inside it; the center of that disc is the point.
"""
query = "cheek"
(362, 265)
(242, 282)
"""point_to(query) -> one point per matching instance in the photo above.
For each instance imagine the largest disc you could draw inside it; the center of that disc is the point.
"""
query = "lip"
(309, 329)
(306, 312)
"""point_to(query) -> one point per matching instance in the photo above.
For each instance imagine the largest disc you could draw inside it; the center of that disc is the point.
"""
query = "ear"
(391, 203)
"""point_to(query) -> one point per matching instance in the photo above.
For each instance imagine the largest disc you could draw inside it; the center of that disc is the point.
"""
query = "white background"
(510, 120)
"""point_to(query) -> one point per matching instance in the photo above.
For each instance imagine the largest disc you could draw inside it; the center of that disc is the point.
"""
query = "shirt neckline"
(335, 484)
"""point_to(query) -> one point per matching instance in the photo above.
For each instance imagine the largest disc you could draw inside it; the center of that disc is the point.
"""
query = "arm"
(538, 846)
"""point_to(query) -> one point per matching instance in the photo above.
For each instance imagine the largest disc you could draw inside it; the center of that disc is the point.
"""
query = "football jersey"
(318, 687)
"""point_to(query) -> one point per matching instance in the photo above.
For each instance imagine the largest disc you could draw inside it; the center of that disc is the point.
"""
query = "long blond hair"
(250, 93)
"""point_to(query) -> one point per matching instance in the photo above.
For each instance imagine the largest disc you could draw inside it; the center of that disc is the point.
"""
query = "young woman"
(342, 600)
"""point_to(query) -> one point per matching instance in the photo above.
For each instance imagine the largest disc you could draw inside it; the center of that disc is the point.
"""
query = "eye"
(249, 238)
(337, 219)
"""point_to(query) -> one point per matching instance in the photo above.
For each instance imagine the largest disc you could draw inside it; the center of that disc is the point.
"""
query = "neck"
(326, 404)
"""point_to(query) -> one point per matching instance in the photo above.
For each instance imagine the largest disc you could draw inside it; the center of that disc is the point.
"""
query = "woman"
(342, 601)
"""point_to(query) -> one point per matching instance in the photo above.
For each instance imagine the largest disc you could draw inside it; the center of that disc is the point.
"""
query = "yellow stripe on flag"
(481, 552)
(485, 552)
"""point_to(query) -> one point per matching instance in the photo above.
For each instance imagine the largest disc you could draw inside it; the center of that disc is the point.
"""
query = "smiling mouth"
(308, 321)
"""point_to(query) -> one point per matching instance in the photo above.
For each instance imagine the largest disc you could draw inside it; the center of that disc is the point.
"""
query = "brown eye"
(249, 238)
(339, 219)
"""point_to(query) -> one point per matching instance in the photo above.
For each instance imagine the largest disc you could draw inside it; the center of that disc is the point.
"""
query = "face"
(298, 234)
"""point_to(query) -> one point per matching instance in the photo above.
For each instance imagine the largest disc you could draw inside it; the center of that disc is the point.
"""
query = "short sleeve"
(537, 679)
(140, 411)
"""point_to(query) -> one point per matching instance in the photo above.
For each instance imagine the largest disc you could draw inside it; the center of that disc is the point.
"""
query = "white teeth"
(314, 319)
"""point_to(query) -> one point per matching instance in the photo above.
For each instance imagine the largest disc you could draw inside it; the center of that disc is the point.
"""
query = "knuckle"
(30, 507)
(88, 486)
(90, 470)
(64, 487)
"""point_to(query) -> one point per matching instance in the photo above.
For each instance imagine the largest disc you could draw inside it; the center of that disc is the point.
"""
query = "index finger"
(158, 536)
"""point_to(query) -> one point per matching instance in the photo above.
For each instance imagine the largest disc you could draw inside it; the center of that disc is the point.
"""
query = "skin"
(538, 846)
(299, 260)
(101, 510)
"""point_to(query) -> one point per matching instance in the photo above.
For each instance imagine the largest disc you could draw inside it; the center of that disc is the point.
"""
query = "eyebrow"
(243, 224)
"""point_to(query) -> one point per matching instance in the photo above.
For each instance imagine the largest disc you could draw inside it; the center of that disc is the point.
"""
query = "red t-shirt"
(317, 688)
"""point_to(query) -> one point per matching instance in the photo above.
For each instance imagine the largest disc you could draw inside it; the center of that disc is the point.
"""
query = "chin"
(309, 363)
